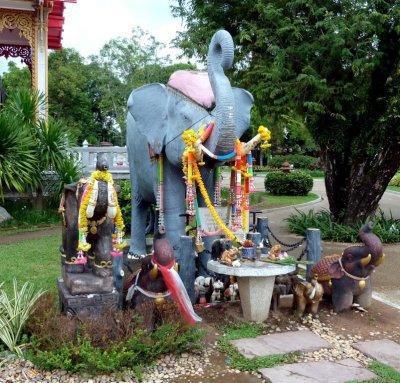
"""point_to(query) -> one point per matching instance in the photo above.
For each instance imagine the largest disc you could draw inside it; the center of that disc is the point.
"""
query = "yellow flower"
(189, 137)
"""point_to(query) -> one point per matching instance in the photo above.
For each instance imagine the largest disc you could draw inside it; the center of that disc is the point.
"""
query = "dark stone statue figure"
(347, 277)
(93, 275)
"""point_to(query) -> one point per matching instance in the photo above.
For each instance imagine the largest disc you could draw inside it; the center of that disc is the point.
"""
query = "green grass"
(385, 373)
(264, 200)
(34, 260)
(394, 188)
(238, 361)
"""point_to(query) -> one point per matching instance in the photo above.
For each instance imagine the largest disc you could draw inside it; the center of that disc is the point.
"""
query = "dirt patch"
(10, 237)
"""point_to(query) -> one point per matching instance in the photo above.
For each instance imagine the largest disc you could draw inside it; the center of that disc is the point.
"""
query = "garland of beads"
(160, 194)
(83, 222)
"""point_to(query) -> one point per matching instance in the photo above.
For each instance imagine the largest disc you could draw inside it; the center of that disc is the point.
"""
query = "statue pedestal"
(91, 304)
(88, 283)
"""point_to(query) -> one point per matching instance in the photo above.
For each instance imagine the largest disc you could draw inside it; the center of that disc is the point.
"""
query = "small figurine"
(308, 293)
(216, 295)
(218, 247)
(231, 292)
(276, 253)
(229, 256)
(202, 287)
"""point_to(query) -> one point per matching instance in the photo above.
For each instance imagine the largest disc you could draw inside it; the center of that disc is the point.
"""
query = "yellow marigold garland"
(191, 170)
(83, 222)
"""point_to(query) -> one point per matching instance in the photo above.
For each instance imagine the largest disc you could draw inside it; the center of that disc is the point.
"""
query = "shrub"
(387, 229)
(109, 342)
(299, 161)
(24, 214)
(395, 181)
(14, 312)
(293, 183)
(124, 199)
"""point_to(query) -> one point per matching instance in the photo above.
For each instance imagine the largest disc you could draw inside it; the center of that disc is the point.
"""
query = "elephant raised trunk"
(220, 57)
(372, 244)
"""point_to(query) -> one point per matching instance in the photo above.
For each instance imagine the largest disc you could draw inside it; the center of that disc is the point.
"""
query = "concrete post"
(187, 268)
(313, 248)
(262, 228)
(85, 157)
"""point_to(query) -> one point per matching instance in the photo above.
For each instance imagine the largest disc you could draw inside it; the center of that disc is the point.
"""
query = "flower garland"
(242, 181)
(86, 211)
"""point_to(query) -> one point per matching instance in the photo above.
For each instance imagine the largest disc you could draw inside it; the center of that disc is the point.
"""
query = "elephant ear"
(335, 271)
(148, 108)
(243, 104)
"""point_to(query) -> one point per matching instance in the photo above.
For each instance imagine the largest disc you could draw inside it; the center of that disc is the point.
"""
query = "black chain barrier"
(289, 246)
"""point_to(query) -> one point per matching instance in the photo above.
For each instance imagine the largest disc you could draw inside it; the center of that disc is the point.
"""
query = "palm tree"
(40, 145)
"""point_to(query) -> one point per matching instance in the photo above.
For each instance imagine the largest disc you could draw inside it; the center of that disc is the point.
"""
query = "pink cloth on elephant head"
(195, 85)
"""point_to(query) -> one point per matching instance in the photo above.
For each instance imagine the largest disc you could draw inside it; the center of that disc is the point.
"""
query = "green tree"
(335, 63)
(16, 78)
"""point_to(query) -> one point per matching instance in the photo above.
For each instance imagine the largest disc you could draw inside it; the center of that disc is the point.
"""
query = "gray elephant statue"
(347, 277)
(157, 116)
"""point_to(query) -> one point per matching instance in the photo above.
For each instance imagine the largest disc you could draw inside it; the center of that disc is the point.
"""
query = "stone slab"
(88, 283)
(85, 304)
(383, 350)
(251, 269)
(341, 371)
(280, 343)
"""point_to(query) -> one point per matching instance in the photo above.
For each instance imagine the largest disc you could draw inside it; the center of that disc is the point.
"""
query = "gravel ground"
(206, 366)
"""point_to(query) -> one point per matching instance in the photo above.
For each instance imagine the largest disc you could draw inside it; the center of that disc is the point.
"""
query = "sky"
(89, 24)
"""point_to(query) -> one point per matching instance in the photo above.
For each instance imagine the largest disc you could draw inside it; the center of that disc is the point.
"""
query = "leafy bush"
(109, 342)
(387, 229)
(293, 183)
(124, 199)
(25, 215)
(298, 161)
(14, 312)
(395, 181)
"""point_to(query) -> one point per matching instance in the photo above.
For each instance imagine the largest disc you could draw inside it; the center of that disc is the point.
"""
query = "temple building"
(28, 28)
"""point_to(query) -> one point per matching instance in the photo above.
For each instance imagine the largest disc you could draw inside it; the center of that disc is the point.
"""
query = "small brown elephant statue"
(308, 293)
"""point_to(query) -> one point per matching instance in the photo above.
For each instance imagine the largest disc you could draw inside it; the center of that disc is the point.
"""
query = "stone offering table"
(256, 283)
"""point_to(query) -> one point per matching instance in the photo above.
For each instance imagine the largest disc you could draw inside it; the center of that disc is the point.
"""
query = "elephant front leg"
(138, 229)
(342, 295)
(364, 297)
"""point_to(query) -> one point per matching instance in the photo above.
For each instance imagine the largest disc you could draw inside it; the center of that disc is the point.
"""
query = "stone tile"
(280, 343)
(318, 372)
(384, 351)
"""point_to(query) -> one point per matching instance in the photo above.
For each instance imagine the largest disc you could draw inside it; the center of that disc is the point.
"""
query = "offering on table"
(276, 253)
(229, 256)
(249, 250)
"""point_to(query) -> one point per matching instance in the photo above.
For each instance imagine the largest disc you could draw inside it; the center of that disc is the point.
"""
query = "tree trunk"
(354, 186)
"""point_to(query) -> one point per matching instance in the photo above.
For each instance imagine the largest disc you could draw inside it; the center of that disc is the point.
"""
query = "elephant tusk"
(154, 272)
(380, 260)
(365, 261)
